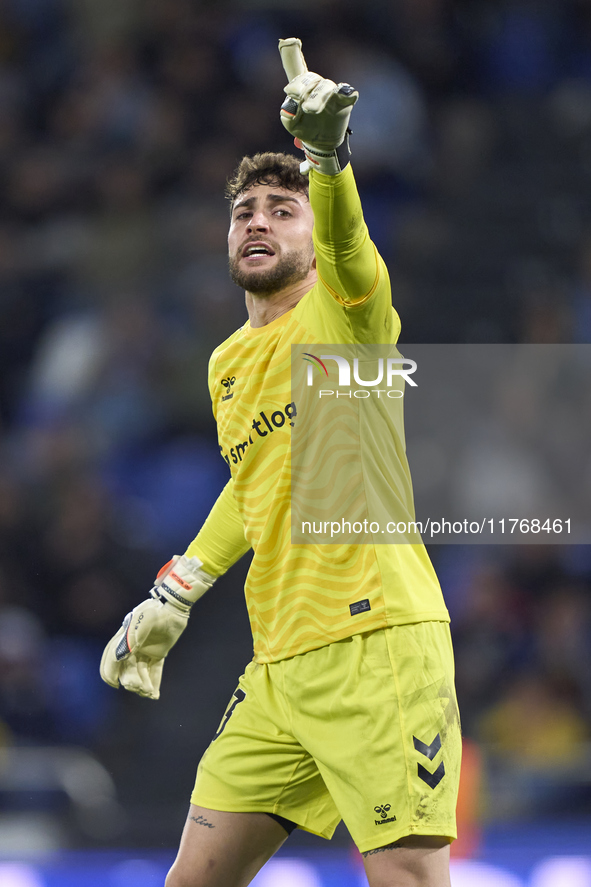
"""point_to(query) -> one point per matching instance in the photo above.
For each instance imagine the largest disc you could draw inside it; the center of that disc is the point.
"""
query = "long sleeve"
(348, 261)
(352, 301)
(220, 541)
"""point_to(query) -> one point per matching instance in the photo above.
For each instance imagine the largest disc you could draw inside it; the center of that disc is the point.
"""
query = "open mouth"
(257, 251)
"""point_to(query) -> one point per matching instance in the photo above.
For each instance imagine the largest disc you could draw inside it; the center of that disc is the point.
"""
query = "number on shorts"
(238, 696)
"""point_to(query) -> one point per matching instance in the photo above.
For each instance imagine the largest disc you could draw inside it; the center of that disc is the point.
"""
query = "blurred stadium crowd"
(119, 123)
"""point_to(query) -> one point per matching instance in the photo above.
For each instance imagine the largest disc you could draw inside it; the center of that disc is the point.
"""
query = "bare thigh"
(416, 861)
(224, 849)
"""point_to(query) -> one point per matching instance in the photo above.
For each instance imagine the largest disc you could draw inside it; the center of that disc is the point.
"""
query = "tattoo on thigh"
(392, 846)
(201, 820)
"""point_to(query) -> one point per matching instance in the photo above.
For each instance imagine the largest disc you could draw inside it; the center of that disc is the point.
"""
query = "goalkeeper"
(348, 708)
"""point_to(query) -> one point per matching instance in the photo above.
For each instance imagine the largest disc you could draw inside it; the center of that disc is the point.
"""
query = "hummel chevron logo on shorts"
(429, 751)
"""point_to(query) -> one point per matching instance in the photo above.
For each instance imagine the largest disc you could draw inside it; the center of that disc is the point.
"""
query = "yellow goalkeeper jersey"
(301, 597)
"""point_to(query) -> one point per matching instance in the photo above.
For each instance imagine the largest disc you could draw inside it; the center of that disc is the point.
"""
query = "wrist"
(181, 582)
(327, 162)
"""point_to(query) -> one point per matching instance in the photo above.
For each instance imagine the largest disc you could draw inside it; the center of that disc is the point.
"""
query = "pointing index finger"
(292, 57)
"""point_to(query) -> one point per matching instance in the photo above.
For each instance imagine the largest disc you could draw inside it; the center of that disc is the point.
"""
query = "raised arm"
(348, 262)
(351, 272)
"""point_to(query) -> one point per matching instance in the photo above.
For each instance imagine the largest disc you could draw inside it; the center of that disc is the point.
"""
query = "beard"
(291, 267)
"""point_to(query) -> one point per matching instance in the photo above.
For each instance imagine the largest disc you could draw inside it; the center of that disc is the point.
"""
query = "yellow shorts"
(365, 729)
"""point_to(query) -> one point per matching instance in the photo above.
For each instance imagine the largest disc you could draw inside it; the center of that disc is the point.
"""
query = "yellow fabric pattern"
(298, 596)
(221, 538)
(290, 742)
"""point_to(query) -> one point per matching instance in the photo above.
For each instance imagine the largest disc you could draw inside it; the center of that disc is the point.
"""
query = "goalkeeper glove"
(135, 656)
(316, 112)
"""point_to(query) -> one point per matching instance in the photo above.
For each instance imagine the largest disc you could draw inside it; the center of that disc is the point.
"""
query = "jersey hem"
(411, 619)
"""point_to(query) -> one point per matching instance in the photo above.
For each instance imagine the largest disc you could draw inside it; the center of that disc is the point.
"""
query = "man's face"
(270, 239)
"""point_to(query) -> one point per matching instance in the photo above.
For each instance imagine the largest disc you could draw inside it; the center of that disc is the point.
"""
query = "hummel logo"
(383, 810)
(227, 383)
(429, 751)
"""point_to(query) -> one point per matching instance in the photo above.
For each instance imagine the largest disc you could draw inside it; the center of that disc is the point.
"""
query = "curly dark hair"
(269, 168)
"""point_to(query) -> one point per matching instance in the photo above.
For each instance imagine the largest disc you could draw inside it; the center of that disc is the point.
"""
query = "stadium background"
(119, 123)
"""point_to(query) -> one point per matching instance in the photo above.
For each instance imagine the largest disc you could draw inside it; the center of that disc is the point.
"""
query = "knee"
(415, 861)
(176, 878)
(172, 880)
(183, 875)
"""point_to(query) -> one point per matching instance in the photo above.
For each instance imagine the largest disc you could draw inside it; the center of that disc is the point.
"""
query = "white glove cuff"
(182, 582)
